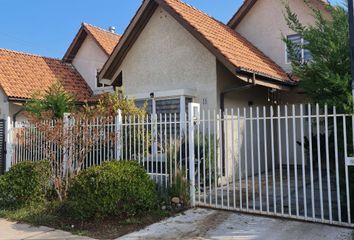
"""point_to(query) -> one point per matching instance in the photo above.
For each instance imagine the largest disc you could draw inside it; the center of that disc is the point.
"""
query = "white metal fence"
(287, 161)
(157, 142)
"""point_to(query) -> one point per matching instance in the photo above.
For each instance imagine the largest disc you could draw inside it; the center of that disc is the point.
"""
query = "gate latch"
(349, 161)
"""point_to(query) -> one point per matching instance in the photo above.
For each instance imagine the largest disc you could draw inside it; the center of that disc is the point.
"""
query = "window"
(303, 54)
(98, 84)
(118, 82)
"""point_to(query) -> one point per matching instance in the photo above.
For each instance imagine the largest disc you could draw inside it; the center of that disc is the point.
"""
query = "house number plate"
(350, 161)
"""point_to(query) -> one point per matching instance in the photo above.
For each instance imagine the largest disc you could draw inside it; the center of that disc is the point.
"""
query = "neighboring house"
(88, 52)
(262, 22)
(22, 75)
(173, 53)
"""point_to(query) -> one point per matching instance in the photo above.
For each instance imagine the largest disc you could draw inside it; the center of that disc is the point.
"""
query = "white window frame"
(287, 60)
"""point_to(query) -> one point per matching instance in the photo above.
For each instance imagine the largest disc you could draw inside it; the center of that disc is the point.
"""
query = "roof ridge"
(189, 5)
(101, 29)
(30, 54)
(213, 18)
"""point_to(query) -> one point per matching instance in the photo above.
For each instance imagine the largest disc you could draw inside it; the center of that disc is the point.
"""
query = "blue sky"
(47, 27)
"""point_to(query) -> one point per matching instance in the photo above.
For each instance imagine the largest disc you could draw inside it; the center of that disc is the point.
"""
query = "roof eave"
(75, 45)
(246, 7)
(241, 13)
(269, 81)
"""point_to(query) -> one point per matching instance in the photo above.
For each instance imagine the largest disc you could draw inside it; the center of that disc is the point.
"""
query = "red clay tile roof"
(105, 39)
(235, 48)
(22, 75)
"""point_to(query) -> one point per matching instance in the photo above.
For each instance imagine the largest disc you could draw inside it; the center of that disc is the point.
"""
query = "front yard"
(103, 202)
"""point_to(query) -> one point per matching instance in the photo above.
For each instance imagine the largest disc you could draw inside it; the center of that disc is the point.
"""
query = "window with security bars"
(302, 54)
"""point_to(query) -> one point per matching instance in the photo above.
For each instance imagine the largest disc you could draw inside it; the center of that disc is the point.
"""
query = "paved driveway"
(213, 224)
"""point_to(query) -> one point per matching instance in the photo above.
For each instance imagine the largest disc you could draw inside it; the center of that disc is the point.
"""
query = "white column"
(8, 132)
(153, 104)
(182, 114)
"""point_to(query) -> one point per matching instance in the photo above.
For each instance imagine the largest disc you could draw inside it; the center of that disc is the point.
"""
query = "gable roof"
(246, 7)
(229, 47)
(22, 75)
(106, 40)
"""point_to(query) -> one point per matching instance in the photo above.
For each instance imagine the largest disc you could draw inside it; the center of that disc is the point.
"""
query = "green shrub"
(117, 188)
(24, 183)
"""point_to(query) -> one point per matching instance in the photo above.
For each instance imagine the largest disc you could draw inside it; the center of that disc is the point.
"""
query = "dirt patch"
(112, 228)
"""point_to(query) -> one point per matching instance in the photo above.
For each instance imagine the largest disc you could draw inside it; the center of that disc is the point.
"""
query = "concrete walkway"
(15, 231)
(213, 224)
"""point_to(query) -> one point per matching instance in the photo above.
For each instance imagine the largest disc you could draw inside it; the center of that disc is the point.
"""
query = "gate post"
(66, 122)
(193, 112)
(118, 134)
(8, 132)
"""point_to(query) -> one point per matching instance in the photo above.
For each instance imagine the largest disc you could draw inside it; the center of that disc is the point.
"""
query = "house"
(265, 31)
(172, 53)
(22, 75)
(88, 52)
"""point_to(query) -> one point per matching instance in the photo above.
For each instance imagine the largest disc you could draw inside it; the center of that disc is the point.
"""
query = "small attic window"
(303, 54)
(98, 84)
(118, 82)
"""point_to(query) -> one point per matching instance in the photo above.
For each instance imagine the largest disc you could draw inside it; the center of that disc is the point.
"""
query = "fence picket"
(319, 157)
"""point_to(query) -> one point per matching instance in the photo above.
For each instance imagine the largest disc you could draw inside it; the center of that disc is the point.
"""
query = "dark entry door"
(2, 147)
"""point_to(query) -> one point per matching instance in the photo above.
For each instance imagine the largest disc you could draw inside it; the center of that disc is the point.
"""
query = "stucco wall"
(264, 24)
(167, 57)
(258, 97)
(89, 58)
(4, 105)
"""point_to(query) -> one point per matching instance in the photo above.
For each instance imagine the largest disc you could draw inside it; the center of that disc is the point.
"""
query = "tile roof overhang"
(246, 7)
(23, 75)
(237, 54)
(106, 40)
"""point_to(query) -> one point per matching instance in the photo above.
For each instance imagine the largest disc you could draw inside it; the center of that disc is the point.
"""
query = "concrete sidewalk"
(213, 224)
(199, 224)
(15, 231)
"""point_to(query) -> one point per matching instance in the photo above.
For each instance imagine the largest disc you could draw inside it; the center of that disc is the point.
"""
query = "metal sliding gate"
(291, 162)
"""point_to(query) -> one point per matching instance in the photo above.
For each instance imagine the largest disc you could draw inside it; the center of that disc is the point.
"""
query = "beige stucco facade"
(167, 57)
(265, 23)
(88, 60)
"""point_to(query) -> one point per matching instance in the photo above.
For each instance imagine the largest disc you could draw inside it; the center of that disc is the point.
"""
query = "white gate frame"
(194, 114)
